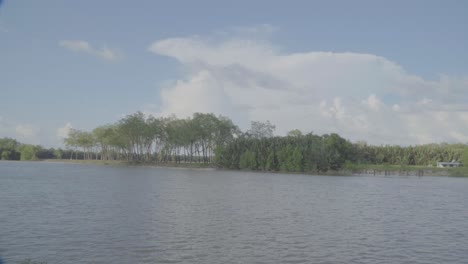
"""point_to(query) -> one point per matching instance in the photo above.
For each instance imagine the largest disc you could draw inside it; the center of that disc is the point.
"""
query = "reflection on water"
(72, 213)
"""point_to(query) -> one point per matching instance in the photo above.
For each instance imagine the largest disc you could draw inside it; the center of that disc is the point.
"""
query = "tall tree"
(261, 129)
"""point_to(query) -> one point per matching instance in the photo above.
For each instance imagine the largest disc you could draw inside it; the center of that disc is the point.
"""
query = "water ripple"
(70, 213)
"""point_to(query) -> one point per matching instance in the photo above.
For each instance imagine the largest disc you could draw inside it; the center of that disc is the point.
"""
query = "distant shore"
(384, 169)
(128, 163)
(350, 169)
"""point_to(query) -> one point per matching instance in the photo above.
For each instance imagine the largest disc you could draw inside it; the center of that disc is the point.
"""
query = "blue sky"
(85, 63)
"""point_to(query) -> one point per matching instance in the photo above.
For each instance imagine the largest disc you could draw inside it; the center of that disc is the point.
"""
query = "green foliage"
(29, 152)
(8, 143)
(295, 133)
(464, 157)
(421, 155)
(295, 160)
(58, 153)
(310, 153)
(313, 153)
(337, 150)
(290, 158)
(261, 129)
(6, 154)
(141, 138)
(272, 162)
(248, 161)
(9, 149)
(207, 139)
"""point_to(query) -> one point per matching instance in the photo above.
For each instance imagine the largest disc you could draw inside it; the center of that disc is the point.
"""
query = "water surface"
(75, 213)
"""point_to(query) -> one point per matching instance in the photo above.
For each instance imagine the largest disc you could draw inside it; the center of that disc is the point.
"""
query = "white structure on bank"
(452, 164)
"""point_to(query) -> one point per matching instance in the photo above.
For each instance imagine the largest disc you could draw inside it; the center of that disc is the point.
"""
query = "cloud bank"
(62, 132)
(360, 96)
(26, 133)
(33, 134)
(84, 47)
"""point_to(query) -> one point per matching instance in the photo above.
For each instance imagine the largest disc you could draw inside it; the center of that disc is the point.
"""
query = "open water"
(75, 213)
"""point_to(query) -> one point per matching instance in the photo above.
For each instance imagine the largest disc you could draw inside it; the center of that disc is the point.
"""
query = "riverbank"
(348, 170)
(397, 170)
(127, 163)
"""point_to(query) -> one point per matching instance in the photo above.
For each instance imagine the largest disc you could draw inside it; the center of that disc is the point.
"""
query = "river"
(78, 213)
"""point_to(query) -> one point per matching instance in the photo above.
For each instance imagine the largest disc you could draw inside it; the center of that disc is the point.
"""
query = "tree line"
(11, 149)
(216, 140)
(140, 138)
(314, 153)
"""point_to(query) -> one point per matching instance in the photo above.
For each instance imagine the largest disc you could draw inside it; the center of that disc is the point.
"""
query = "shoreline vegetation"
(348, 170)
(209, 141)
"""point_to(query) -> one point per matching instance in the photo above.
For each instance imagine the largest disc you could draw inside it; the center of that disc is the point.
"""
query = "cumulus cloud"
(373, 102)
(27, 133)
(62, 132)
(247, 78)
(84, 47)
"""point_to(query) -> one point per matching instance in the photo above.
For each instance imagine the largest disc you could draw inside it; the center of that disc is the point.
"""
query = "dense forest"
(216, 140)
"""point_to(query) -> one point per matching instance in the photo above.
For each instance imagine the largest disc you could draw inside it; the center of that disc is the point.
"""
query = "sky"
(384, 72)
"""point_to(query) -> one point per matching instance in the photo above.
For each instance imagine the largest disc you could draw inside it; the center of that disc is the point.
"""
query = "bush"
(248, 161)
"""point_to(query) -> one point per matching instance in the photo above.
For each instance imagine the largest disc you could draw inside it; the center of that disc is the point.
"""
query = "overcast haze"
(387, 72)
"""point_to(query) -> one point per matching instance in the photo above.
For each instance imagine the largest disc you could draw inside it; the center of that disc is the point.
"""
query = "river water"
(75, 213)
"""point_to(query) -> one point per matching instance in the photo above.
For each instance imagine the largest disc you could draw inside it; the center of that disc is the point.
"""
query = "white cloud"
(26, 133)
(83, 46)
(62, 132)
(373, 102)
(424, 101)
(336, 110)
(108, 54)
(250, 79)
(76, 45)
(30, 133)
